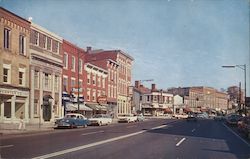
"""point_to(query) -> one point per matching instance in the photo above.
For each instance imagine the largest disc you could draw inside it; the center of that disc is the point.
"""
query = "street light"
(242, 67)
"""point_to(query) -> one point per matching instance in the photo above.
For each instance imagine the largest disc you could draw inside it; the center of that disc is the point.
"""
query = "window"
(73, 67)
(73, 82)
(6, 73)
(56, 84)
(94, 95)
(148, 98)
(6, 38)
(65, 61)
(36, 38)
(22, 43)
(55, 46)
(93, 79)
(48, 43)
(21, 76)
(80, 66)
(65, 83)
(46, 81)
(88, 94)
(80, 83)
(36, 79)
(88, 78)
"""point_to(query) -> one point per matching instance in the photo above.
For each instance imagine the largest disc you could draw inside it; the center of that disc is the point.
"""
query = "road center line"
(92, 133)
(92, 144)
(237, 135)
(6, 146)
(180, 141)
(193, 130)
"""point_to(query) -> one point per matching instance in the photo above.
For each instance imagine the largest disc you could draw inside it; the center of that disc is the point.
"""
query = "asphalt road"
(152, 139)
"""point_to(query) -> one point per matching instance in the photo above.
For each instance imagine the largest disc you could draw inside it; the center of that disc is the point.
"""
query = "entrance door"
(46, 109)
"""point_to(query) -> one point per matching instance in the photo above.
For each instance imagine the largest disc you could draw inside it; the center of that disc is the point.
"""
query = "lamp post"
(242, 67)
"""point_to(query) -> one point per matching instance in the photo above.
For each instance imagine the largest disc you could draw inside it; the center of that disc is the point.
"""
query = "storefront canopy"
(70, 106)
(82, 107)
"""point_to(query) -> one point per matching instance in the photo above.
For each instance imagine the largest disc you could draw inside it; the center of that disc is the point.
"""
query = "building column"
(26, 108)
(41, 96)
(60, 108)
(53, 96)
(13, 104)
(32, 94)
(2, 110)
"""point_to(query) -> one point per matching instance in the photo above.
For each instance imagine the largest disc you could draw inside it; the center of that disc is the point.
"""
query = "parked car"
(127, 118)
(100, 119)
(203, 115)
(191, 117)
(233, 119)
(140, 117)
(244, 125)
(72, 120)
(180, 116)
(219, 117)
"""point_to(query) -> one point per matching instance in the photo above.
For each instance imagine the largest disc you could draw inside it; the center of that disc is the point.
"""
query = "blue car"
(72, 120)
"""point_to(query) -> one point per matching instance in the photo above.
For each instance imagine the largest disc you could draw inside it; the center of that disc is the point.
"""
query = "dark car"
(72, 120)
(233, 119)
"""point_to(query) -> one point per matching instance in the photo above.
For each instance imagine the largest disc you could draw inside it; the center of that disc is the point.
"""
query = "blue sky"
(174, 42)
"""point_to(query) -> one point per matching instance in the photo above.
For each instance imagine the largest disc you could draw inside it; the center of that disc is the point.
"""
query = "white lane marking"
(193, 130)
(92, 144)
(180, 141)
(237, 135)
(92, 133)
(158, 127)
(6, 146)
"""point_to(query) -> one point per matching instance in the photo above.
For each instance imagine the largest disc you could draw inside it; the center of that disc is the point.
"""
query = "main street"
(154, 138)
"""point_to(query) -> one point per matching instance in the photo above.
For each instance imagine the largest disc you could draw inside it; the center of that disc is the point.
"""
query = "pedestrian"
(21, 124)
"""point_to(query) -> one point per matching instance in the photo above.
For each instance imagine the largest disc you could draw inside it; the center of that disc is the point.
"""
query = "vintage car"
(140, 117)
(100, 119)
(72, 120)
(192, 117)
(127, 118)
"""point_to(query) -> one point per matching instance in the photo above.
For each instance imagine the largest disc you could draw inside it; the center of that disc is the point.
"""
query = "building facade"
(120, 77)
(14, 67)
(45, 74)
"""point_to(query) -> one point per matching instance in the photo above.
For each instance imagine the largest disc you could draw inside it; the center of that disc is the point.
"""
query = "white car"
(100, 119)
(127, 118)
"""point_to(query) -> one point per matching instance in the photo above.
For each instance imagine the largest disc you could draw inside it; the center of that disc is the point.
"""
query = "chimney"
(153, 88)
(89, 48)
(137, 84)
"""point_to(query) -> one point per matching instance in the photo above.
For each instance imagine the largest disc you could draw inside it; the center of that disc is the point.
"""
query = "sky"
(177, 43)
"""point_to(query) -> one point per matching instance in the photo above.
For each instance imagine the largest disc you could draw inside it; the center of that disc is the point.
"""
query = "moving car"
(127, 118)
(233, 119)
(72, 120)
(100, 119)
(202, 115)
(191, 117)
(180, 116)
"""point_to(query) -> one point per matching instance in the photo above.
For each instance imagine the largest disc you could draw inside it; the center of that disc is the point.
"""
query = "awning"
(70, 107)
(93, 106)
(82, 107)
(168, 111)
(146, 106)
(186, 110)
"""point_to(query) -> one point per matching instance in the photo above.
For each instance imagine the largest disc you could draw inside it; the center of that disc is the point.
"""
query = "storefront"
(13, 101)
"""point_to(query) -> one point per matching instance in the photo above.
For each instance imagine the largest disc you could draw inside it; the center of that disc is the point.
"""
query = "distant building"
(202, 98)
(14, 67)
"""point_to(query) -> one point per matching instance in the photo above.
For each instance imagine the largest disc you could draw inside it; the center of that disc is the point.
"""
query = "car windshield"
(70, 116)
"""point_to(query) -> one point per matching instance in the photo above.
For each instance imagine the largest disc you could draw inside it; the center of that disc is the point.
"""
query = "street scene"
(125, 79)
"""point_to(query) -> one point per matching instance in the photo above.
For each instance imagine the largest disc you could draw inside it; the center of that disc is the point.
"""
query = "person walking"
(21, 124)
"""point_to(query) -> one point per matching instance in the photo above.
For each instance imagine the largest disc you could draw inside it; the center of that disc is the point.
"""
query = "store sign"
(13, 92)
(102, 99)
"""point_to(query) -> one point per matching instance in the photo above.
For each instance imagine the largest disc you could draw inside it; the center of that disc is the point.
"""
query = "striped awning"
(82, 107)
(70, 106)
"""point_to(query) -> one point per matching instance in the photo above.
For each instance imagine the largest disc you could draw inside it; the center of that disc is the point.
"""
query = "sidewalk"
(12, 129)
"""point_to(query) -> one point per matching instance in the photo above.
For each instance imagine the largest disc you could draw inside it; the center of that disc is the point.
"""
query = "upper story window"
(73, 82)
(42, 40)
(88, 78)
(65, 83)
(93, 80)
(36, 38)
(22, 43)
(73, 64)
(55, 46)
(6, 73)
(103, 83)
(36, 79)
(65, 61)
(56, 84)
(99, 81)
(80, 66)
(48, 43)
(6, 38)
(22, 76)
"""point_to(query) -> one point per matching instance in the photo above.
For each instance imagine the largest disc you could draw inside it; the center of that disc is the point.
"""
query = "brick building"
(122, 74)
(14, 67)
